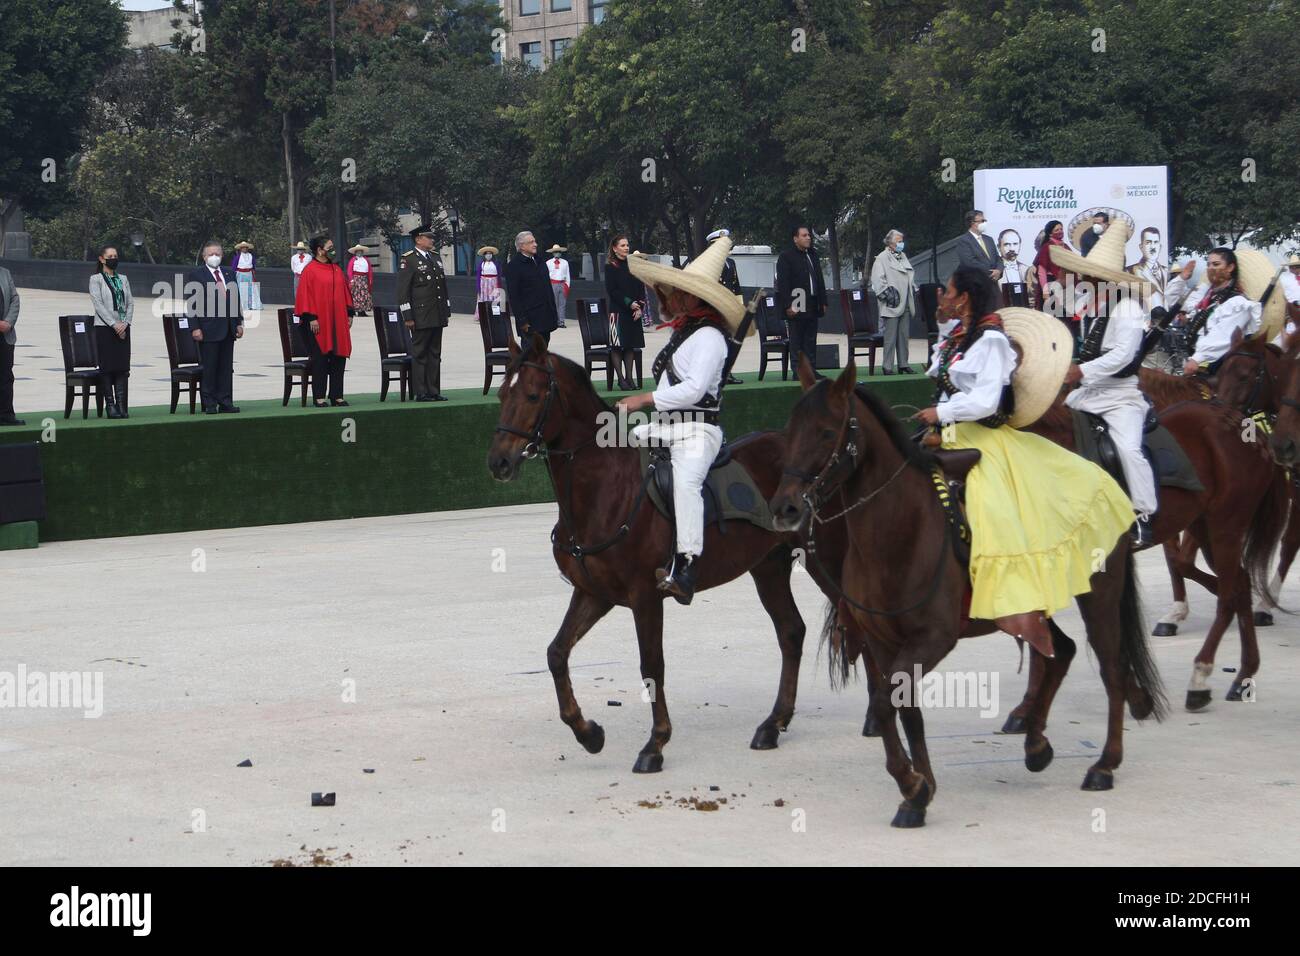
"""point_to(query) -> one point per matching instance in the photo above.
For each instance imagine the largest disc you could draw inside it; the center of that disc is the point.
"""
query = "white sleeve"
(985, 369)
(1125, 335)
(1290, 287)
(1237, 313)
(702, 356)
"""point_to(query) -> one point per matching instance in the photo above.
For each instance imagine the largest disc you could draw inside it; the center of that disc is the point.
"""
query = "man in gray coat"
(8, 319)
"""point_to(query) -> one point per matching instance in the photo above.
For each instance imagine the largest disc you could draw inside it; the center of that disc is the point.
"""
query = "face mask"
(487, 257)
(1097, 228)
(329, 253)
(900, 245)
(111, 263)
(213, 261)
(984, 228)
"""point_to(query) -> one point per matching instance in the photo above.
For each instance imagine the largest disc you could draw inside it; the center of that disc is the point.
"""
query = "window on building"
(558, 47)
(528, 8)
(559, 6)
(531, 54)
(598, 10)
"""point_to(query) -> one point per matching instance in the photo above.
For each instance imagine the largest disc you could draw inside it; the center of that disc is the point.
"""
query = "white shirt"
(1215, 339)
(698, 366)
(489, 267)
(1119, 346)
(559, 270)
(360, 264)
(1289, 286)
(298, 261)
(979, 377)
(1013, 272)
(245, 261)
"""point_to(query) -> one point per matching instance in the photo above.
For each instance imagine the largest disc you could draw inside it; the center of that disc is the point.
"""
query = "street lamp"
(455, 243)
(137, 240)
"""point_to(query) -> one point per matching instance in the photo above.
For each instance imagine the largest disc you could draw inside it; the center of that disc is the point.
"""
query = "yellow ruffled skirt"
(1043, 521)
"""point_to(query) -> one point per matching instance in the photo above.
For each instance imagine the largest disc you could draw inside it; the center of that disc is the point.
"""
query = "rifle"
(735, 342)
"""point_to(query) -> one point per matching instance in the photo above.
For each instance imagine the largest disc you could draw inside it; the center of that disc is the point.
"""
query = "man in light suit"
(976, 250)
(212, 304)
(8, 319)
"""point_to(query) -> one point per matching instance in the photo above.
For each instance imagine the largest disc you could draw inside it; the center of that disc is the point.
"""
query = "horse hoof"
(1263, 619)
(1015, 724)
(1198, 699)
(765, 737)
(1037, 762)
(594, 742)
(871, 726)
(1234, 691)
(908, 818)
(1164, 630)
(648, 763)
(1098, 779)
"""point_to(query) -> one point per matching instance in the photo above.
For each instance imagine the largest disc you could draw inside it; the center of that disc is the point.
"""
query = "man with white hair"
(528, 290)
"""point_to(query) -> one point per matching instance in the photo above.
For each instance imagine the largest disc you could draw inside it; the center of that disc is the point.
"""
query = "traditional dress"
(297, 262)
(1039, 515)
(1109, 388)
(360, 282)
(1213, 315)
(558, 267)
(488, 279)
(323, 295)
(244, 264)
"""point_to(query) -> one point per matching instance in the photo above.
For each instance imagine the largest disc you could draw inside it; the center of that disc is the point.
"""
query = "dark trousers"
(426, 361)
(6, 379)
(325, 367)
(803, 338)
(218, 385)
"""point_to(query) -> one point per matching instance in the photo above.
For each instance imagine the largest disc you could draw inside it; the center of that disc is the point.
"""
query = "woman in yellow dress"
(1043, 519)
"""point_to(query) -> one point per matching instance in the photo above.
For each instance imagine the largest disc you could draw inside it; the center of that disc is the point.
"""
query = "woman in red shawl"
(325, 306)
(1049, 272)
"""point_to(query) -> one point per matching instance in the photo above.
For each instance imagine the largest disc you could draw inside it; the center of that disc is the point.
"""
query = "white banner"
(1018, 204)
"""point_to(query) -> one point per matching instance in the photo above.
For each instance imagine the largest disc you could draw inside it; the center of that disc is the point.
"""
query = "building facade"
(539, 31)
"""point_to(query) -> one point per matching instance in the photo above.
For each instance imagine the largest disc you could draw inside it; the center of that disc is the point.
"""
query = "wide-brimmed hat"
(301, 245)
(701, 278)
(1255, 271)
(557, 248)
(244, 245)
(1104, 261)
(1046, 350)
(486, 249)
(358, 250)
(1293, 259)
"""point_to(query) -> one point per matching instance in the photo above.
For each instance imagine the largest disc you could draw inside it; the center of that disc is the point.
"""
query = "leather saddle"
(729, 490)
(1169, 463)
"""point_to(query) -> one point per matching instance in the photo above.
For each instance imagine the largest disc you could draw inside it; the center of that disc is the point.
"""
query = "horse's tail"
(839, 659)
(1144, 690)
(1266, 529)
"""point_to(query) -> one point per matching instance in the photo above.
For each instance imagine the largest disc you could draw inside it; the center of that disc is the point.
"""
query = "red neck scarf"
(705, 312)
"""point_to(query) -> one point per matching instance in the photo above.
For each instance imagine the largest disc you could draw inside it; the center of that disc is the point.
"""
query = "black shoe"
(112, 411)
(886, 371)
(211, 410)
(680, 581)
(341, 403)
(1141, 534)
(121, 401)
(10, 420)
(906, 370)
(425, 398)
(229, 409)
(733, 380)
(438, 397)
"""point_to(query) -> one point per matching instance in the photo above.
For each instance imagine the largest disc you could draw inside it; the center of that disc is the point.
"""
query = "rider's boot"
(1030, 627)
(679, 580)
(1142, 537)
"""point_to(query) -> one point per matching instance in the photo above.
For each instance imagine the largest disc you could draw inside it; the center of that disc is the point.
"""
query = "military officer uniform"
(426, 306)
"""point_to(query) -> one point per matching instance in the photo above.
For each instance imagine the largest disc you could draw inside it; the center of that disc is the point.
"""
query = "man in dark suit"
(8, 339)
(528, 290)
(426, 309)
(212, 305)
(976, 250)
(1100, 223)
(801, 294)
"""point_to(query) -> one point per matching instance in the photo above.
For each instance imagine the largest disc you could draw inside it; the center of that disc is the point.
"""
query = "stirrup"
(1141, 534)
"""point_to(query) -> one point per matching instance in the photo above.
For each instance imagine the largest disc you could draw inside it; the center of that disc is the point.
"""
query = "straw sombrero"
(358, 250)
(486, 249)
(1104, 261)
(1046, 350)
(557, 248)
(1293, 259)
(244, 245)
(700, 278)
(1255, 271)
(301, 245)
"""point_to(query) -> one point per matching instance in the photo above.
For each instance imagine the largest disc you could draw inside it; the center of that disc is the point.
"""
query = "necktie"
(983, 248)
(221, 280)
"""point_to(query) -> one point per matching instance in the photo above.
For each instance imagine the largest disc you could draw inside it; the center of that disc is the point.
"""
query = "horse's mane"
(910, 450)
(1166, 389)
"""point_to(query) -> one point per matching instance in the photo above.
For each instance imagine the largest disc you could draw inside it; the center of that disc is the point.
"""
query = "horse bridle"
(536, 444)
(1250, 407)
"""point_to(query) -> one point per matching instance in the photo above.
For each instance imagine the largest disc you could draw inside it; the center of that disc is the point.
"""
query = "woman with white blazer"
(893, 282)
(110, 293)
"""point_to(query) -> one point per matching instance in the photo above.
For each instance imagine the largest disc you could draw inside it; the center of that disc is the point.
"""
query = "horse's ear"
(804, 369)
(536, 346)
(848, 378)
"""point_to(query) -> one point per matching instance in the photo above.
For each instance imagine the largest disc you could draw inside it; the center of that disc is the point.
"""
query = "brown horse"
(609, 539)
(905, 583)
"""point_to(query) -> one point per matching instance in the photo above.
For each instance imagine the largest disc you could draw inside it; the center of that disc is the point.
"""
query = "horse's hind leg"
(1105, 616)
(584, 611)
(1226, 556)
(1038, 750)
(772, 580)
(915, 778)
(1245, 678)
(649, 615)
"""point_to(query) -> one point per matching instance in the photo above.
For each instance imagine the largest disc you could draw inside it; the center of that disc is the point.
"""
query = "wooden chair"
(1017, 294)
(862, 325)
(184, 357)
(80, 364)
(773, 337)
(494, 326)
(297, 356)
(593, 323)
(394, 351)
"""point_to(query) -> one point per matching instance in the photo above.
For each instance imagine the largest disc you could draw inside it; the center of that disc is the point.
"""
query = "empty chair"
(80, 364)
(773, 337)
(862, 325)
(297, 356)
(494, 326)
(593, 323)
(394, 351)
(184, 358)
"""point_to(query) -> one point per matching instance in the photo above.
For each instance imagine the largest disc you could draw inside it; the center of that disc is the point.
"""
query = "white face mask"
(1097, 228)
(899, 246)
(983, 227)
(487, 257)
(213, 261)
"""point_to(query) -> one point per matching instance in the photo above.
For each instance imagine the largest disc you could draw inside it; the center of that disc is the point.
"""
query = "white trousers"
(1125, 411)
(693, 446)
